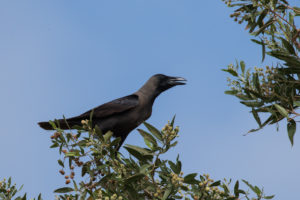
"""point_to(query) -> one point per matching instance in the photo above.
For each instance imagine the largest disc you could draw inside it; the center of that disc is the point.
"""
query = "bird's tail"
(61, 123)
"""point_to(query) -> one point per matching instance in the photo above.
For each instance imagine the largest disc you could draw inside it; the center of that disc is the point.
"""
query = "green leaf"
(231, 92)
(85, 168)
(52, 124)
(73, 153)
(261, 17)
(167, 193)
(40, 197)
(176, 169)
(236, 189)
(115, 142)
(297, 103)
(217, 183)
(61, 163)
(263, 46)
(138, 152)
(107, 136)
(249, 185)
(265, 26)
(65, 122)
(253, 103)
(64, 190)
(99, 133)
(281, 110)
(9, 181)
(54, 145)
(149, 144)
(291, 128)
(256, 117)
(173, 120)
(91, 116)
(134, 178)
(257, 42)
(148, 137)
(154, 131)
(144, 168)
(231, 71)
(291, 18)
(257, 190)
(243, 66)
(178, 163)
(289, 47)
(139, 149)
(75, 186)
(190, 179)
(256, 81)
(269, 197)
(297, 11)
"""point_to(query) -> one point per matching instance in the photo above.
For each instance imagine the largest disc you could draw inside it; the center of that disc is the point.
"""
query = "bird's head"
(163, 82)
(160, 83)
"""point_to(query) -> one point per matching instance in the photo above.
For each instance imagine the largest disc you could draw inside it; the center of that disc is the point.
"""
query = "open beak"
(177, 81)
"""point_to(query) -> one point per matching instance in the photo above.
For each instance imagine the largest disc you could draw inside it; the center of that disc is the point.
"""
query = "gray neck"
(149, 91)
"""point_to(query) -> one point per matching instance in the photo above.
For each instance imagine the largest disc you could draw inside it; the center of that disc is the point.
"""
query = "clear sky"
(65, 57)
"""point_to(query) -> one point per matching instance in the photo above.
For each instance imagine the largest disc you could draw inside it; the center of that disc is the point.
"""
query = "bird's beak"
(176, 81)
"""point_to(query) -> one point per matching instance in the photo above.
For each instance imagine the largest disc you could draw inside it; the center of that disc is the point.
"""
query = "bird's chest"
(143, 114)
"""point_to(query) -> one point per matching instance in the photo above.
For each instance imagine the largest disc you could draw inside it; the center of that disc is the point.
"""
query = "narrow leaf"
(64, 190)
(167, 194)
(256, 117)
(291, 128)
(61, 163)
(148, 137)
(236, 189)
(190, 178)
(281, 110)
(243, 66)
(154, 131)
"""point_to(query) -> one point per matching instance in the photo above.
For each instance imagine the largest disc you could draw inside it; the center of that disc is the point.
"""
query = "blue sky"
(65, 57)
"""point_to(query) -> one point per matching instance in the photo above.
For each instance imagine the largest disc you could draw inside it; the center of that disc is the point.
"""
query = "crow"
(123, 115)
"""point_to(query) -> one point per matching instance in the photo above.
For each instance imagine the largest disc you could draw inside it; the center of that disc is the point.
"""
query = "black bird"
(123, 115)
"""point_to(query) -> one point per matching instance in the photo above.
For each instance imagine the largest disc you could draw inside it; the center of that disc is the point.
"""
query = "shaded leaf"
(73, 153)
(236, 189)
(281, 110)
(297, 103)
(231, 71)
(231, 92)
(64, 190)
(107, 136)
(139, 149)
(291, 128)
(253, 103)
(134, 178)
(190, 178)
(154, 131)
(176, 169)
(148, 137)
(61, 163)
(269, 197)
(172, 121)
(288, 46)
(256, 117)
(243, 66)
(217, 183)
(167, 193)
(263, 46)
(297, 11)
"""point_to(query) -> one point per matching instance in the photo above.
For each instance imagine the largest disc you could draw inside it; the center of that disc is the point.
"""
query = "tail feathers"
(61, 123)
(45, 125)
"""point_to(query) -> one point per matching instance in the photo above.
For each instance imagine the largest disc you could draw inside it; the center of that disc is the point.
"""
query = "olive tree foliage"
(272, 92)
(93, 169)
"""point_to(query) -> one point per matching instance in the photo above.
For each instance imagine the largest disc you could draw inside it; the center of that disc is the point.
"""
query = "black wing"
(113, 107)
